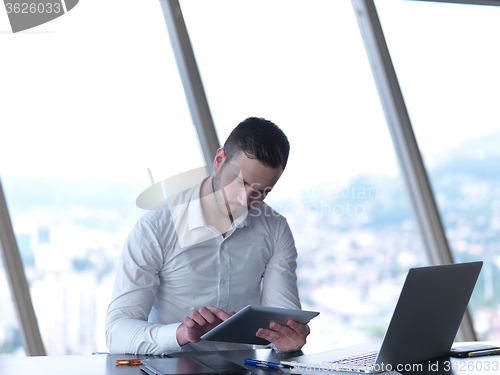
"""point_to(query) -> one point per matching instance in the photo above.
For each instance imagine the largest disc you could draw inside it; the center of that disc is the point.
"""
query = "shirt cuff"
(167, 338)
(274, 348)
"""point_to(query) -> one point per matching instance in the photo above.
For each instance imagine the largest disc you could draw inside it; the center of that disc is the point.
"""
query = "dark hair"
(260, 139)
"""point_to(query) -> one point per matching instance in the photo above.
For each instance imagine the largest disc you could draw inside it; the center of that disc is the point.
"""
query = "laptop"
(424, 324)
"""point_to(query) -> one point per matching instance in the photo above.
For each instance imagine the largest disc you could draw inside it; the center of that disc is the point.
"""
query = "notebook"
(206, 364)
(424, 324)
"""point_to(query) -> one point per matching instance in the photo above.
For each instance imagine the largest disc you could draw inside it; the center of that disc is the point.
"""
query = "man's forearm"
(139, 337)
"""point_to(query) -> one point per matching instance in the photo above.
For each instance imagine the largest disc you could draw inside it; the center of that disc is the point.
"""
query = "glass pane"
(89, 102)
(448, 71)
(304, 67)
(10, 337)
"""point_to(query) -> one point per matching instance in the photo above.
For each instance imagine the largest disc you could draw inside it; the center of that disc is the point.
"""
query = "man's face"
(242, 184)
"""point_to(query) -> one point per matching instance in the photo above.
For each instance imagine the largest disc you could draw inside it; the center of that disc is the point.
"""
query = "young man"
(217, 248)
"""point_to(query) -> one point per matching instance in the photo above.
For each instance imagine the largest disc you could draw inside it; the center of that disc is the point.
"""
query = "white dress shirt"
(159, 281)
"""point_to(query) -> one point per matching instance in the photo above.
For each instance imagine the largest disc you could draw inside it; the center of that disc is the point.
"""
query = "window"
(89, 102)
(10, 338)
(305, 69)
(448, 72)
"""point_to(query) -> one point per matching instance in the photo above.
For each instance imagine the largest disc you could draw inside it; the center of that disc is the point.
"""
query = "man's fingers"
(221, 314)
(207, 315)
(284, 330)
(188, 322)
(301, 329)
(269, 335)
(263, 334)
(196, 316)
(286, 338)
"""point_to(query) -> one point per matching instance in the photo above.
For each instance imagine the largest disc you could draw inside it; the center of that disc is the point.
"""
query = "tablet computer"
(243, 325)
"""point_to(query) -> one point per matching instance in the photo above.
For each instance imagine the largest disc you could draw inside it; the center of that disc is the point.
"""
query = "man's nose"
(244, 196)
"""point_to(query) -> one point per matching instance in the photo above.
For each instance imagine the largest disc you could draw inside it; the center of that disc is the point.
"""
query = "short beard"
(224, 210)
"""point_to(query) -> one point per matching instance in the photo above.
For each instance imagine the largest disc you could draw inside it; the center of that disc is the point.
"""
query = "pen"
(256, 362)
(482, 353)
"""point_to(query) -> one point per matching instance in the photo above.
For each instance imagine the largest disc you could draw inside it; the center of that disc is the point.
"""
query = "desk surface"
(104, 364)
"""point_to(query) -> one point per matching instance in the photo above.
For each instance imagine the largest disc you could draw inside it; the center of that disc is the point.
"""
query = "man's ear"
(219, 159)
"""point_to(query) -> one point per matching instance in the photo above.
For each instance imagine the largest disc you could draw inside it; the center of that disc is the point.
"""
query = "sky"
(96, 93)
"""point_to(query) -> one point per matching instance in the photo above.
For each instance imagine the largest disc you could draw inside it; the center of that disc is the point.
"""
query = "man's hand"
(200, 322)
(285, 338)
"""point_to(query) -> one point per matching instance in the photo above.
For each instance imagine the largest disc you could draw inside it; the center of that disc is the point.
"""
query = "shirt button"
(223, 282)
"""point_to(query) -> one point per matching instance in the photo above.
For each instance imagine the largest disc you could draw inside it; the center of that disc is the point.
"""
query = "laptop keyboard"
(356, 363)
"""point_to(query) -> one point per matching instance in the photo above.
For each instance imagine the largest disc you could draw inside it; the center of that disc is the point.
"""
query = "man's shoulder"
(265, 221)
(161, 215)
(265, 213)
(157, 218)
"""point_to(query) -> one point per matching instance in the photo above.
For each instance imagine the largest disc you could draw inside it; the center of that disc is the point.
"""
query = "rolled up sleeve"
(134, 291)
